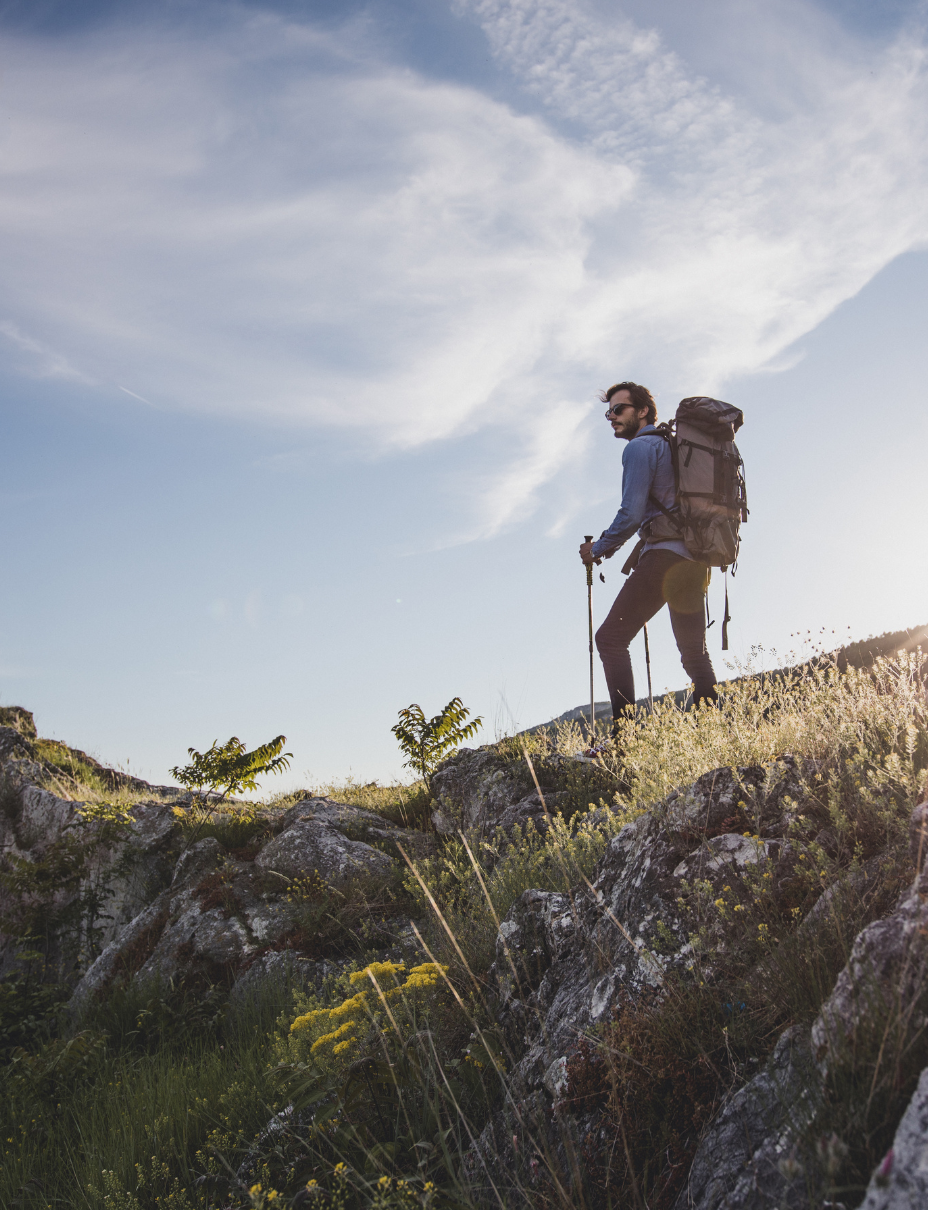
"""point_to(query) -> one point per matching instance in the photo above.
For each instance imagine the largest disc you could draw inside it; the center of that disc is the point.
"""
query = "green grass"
(72, 774)
(407, 804)
(156, 1088)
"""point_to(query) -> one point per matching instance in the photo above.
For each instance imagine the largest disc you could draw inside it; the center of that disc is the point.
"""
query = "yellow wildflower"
(380, 970)
(423, 977)
(327, 1038)
(308, 1019)
(355, 1004)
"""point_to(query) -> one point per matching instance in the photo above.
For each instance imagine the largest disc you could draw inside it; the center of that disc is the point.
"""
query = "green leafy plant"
(229, 769)
(426, 742)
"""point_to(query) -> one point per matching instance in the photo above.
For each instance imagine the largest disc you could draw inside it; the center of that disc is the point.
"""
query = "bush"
(389, 1077)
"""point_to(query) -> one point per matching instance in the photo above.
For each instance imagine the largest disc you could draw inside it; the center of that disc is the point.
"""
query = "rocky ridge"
(171, 905)
(166, 904)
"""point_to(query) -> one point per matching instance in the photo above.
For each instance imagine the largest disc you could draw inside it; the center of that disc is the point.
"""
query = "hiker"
(662, 570)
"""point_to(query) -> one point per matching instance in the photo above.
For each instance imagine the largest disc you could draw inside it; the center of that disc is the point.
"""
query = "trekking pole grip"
(589, 566)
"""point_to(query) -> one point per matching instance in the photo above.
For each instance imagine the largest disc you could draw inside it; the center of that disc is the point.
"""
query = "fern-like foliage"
(228, 769)
(426, 742)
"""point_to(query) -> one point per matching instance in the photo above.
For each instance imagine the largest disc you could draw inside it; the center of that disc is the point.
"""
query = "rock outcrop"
(475, 789)
(171, 904)
(480, 789)
(164, 904)
(901, 1180)
(220, 913)
(563, 962)
(566, 962)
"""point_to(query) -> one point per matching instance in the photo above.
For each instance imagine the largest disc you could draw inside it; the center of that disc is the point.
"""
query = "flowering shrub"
(385, 1004)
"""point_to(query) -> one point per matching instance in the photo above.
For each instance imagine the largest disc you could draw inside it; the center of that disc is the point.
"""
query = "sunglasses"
(617, 411)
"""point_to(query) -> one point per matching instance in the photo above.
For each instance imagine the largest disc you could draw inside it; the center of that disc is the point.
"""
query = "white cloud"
(551, 440)
(260, 219)
(40, 360)
(746, 232)
(374, 250)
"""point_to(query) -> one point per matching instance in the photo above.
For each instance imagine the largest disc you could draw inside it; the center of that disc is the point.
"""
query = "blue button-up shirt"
(647, 470)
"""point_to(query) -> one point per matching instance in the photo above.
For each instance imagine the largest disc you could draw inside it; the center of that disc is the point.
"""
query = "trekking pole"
(589, 605)
(647, 660)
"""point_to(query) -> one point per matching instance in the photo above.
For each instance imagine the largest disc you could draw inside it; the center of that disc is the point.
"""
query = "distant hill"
(854, 655)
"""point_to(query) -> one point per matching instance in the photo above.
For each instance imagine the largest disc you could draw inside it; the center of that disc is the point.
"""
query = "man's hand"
(586, 554)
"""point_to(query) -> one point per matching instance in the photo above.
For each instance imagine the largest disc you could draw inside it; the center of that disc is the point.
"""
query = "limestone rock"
(220, 917)
(745, 1158)
(20, 720)
(123, 956)
(168, 910)
(318, 839)
(473, 789)
(901, 1180)
(740, 1162)
(283, 968)
(14, 745)
(565, 962)
(889, 955)
(476, 788)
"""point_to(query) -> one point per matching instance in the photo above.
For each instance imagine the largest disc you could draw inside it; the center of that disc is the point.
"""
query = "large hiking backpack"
(708, 473)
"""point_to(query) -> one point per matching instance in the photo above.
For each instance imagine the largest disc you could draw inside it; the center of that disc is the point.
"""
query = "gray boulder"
(474, 788)
(888, 965)
(321, 838)
(746, 1159)
(163, 908)
(479, 789)
(119, 870)
(14, 745)
(221, 918)
(282, 969)
(566, 962)
(901, 1180)
(20, 720)
(756, 1155)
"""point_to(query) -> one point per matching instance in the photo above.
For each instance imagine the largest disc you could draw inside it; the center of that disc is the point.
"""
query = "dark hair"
(640, 396)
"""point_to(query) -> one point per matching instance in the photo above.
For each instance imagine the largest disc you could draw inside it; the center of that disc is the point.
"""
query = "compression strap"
(727, 618)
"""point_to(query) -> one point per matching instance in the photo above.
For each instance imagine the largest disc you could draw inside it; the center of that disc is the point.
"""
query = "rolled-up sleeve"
(639, 462)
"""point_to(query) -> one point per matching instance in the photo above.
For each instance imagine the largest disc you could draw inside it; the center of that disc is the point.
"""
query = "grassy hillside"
(384, 1071)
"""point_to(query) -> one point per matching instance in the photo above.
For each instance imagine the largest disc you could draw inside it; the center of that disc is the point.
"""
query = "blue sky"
(304, 312)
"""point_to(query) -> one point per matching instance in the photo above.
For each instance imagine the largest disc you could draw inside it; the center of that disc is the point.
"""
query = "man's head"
(631, 407)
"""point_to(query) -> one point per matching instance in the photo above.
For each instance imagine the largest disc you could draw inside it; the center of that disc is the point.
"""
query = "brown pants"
(660, 578)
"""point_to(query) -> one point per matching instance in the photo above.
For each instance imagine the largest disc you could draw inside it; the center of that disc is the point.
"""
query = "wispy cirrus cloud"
(38, 358)
(369, 249)
(255, 217)
(745, 230)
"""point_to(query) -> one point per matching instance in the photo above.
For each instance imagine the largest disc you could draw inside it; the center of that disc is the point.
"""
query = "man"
(665, 571)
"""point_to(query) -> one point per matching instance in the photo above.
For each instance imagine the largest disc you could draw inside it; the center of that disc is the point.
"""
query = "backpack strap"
(672, 515)
(632, 561)
(727, 618)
